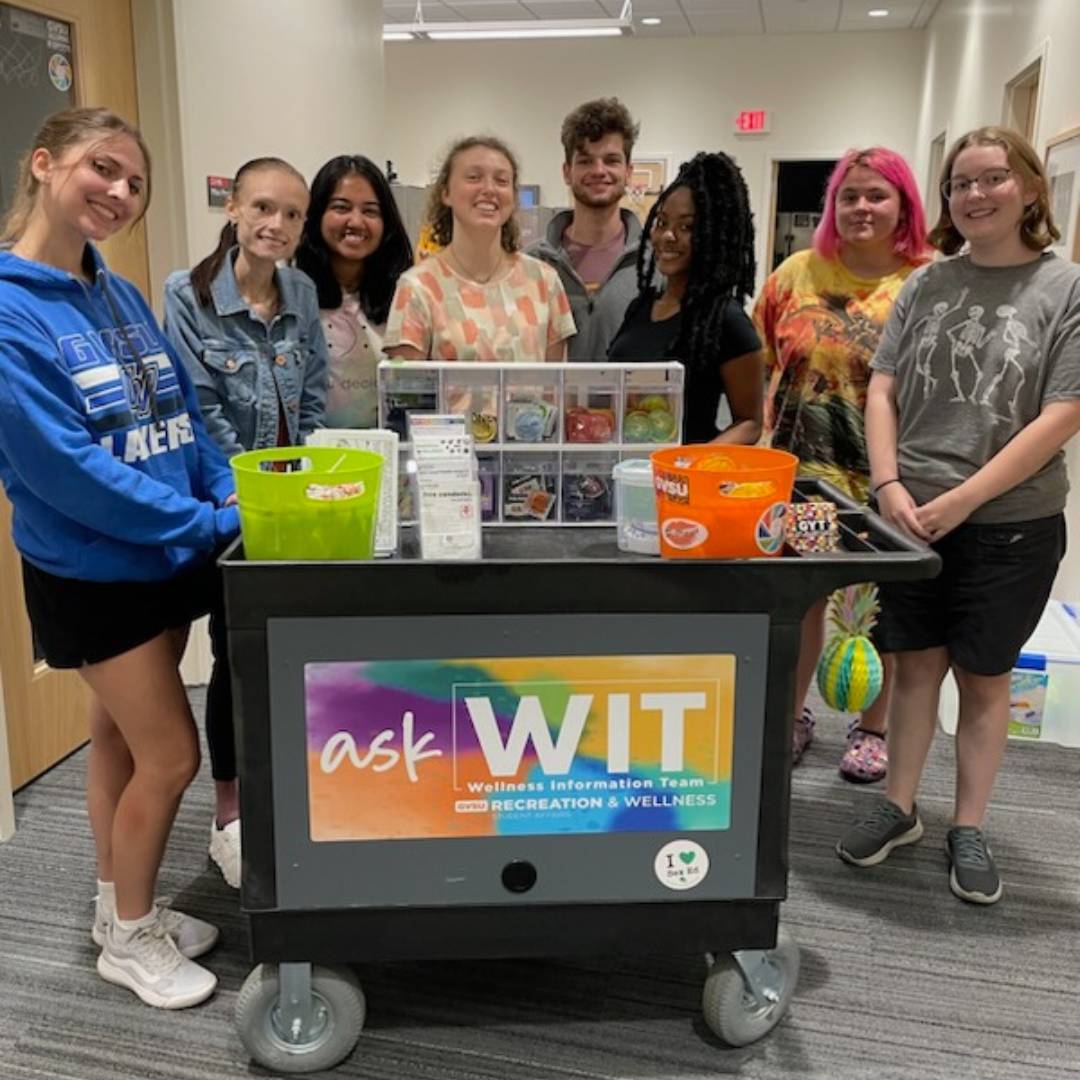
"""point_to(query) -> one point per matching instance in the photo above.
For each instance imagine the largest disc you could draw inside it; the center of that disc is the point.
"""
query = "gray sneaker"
(972, 873)
(193, 937)
(869, 841)
(149, 964)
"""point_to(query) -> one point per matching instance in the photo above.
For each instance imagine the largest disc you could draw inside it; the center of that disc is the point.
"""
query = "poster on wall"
(480, 747)
(1063, 169)
(648, 178)
(218, 190)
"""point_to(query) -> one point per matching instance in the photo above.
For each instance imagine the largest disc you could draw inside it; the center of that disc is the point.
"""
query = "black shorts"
(79, 622)
(994, 584)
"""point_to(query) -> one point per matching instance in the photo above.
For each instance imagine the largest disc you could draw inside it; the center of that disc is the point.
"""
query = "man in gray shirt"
(594, 246)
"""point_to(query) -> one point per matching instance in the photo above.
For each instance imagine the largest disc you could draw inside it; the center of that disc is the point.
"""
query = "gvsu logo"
(142, 381)
(674, 486)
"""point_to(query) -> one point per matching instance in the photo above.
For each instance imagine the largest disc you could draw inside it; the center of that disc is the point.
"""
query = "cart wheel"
(337, 1017)
(731, 1010)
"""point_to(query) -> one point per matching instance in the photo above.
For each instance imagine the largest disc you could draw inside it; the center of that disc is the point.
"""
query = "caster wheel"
(732, 1012)
(337, 1017)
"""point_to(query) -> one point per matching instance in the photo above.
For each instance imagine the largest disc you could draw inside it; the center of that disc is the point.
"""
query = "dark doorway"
(800, 189)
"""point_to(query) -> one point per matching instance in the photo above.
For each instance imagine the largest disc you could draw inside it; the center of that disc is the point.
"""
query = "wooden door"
(45, 710)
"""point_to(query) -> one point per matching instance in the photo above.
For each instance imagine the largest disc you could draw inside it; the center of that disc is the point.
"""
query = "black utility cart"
(323, 888)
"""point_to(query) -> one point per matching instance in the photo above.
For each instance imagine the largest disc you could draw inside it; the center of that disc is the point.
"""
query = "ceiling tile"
(711, 22)
(902, 14)
(487, 10)
(406, 13)
(565, 9)
(643, 7)
(800, 16)
(720, 7)
(674, 25)
(432, 13)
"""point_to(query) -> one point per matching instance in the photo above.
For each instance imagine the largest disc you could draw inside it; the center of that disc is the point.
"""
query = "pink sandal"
(866, 758)
(802, 734)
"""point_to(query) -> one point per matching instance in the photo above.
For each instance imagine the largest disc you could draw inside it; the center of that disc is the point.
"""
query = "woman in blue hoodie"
(120, 499)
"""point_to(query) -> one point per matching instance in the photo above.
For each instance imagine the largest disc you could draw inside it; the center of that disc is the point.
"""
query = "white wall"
(826, 92)
(974, 48)
(273, 77)
(159, 119)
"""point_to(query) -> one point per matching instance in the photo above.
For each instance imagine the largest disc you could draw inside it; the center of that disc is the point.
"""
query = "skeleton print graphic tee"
(977, 352)
(820, 325)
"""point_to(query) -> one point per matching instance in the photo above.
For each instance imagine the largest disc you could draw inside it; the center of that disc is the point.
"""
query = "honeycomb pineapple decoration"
(849, 673)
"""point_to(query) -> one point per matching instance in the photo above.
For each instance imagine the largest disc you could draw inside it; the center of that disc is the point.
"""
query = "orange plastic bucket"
(722, 502)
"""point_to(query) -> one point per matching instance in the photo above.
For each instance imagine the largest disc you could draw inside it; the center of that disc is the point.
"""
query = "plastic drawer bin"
(1045, 683)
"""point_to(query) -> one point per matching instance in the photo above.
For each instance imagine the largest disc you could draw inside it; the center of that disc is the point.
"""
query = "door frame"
(771, 191)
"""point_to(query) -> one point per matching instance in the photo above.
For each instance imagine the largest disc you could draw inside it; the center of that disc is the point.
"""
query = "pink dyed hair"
(910, 235)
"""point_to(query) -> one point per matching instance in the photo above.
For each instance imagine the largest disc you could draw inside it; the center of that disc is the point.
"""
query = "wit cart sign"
(519, 746)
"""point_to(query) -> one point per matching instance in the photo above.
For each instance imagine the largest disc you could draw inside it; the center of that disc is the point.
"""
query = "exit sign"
(752, 122)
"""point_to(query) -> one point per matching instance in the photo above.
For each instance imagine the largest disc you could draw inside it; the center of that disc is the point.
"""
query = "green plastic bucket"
(322, 506)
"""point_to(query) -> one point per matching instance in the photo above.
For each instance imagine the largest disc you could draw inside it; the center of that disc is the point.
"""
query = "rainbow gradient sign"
(408, 749)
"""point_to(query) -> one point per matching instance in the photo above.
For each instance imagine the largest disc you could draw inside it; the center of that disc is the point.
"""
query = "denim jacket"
(242, 366)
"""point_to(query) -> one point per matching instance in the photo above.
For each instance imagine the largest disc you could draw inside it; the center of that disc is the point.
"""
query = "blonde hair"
(59, 133)
(441, 217)
(1037, 228)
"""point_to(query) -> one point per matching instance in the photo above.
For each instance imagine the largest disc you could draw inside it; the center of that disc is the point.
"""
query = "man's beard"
(609, 198)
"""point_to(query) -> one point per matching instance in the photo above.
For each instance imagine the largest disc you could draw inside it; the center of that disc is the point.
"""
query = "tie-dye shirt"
(448, 317)
(820, 325)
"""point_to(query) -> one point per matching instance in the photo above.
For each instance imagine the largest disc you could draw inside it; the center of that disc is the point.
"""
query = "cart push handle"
(815, 485)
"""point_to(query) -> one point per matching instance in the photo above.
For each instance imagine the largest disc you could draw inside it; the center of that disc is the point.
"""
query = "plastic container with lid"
(635, 507)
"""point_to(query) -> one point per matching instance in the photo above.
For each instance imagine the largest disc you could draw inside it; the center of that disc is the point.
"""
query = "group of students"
(942, 390)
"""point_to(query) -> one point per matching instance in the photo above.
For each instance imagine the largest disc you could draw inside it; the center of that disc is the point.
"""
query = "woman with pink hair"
(820, 316)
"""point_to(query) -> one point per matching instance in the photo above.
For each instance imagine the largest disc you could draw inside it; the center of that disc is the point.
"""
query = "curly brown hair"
(439, 215)
(1037, 228)
(595, 119)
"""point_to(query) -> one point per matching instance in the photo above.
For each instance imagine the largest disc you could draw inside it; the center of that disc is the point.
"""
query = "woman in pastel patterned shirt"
(354, 248)
(479, 297)
(820, 316)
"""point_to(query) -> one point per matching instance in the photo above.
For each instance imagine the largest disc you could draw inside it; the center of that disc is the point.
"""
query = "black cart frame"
(531, 572)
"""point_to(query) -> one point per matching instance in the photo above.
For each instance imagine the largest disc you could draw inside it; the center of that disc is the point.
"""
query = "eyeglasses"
(987, 181)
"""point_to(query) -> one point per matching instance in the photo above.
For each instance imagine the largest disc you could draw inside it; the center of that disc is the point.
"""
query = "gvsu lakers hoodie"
(103, 453)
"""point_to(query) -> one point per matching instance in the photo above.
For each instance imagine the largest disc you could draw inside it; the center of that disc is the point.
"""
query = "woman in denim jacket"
(248, 332)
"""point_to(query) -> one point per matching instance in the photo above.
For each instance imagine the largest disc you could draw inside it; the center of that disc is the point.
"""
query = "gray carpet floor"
(899, 979)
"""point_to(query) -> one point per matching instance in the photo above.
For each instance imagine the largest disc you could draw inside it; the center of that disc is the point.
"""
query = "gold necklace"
(471, 276)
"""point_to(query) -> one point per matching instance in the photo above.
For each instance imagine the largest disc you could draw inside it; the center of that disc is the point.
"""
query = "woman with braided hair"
(700, 237)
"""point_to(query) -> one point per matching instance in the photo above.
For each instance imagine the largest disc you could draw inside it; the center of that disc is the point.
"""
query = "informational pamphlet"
(447, 486)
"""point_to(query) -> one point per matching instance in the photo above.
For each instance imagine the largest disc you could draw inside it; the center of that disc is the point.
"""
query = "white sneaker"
(225, 851)
(148, 963)
(193, 937)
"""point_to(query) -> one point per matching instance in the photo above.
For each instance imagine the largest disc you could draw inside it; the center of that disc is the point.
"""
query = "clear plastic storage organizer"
(547, 436)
